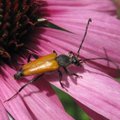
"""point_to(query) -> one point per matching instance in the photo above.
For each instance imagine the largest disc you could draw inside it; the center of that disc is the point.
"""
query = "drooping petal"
(34, 102)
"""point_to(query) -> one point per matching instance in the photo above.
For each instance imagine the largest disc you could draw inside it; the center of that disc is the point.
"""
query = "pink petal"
(95, 90)
(93, 114)
(34, 102)
(64, 7)
(3, 114)
(73, 11)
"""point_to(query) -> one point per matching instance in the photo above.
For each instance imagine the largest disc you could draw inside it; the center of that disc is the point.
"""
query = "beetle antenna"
(90, 20)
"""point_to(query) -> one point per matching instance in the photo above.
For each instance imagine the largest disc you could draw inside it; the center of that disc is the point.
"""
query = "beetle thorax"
(63, 60)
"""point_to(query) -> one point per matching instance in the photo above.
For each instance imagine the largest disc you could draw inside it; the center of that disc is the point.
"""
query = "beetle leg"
(70, 73)
(31, 81)
(60, 78)
(31, 55)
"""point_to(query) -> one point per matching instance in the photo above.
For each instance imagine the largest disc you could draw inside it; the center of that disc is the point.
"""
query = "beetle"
(48, 63)
(51, 62)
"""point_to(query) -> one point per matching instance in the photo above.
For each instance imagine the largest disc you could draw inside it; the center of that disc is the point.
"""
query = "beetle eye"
(75, 61)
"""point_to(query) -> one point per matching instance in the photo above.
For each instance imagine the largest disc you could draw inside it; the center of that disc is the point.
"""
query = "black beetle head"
(74, 59)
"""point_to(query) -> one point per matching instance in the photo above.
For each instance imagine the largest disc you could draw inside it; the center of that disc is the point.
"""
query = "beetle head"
(75, 59)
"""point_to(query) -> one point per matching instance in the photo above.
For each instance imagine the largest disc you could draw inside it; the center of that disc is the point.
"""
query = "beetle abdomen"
(40, 61)
(47, 66)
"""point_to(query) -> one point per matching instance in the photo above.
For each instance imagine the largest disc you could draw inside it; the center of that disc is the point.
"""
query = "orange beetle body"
(41, 65)
(48, 63)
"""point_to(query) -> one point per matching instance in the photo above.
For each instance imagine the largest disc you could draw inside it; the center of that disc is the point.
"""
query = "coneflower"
(24, 30)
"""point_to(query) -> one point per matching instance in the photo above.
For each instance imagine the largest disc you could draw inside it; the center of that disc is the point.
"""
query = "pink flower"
(96, 92)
